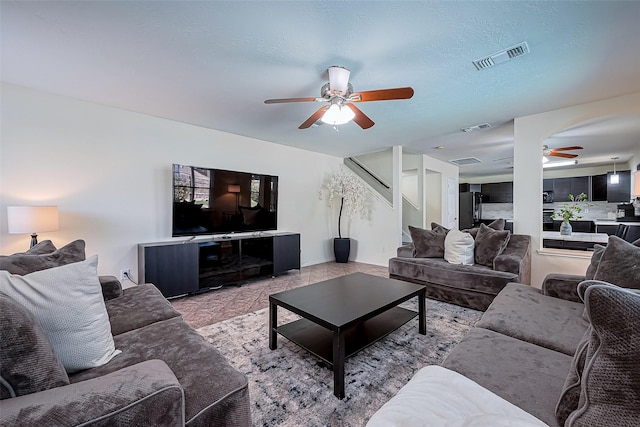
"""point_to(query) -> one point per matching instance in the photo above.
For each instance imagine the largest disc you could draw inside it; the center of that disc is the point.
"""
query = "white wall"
(530, 133)
(109, 172)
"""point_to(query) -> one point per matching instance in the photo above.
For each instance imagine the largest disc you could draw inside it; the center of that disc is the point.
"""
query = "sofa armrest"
(406, 251)
(563, 286)
(111, 287)
(145, 394)
(516, 258)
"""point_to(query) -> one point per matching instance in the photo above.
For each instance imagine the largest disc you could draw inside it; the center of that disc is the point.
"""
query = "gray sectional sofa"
(567, 353)
(473, 286)
(165, 375)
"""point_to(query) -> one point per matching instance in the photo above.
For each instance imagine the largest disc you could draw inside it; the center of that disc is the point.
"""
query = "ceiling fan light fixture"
(338, 80)
(338, 115)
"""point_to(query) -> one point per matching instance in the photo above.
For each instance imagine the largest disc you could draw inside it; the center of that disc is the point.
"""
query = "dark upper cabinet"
(599, 188)
(497, 192)
(620, 192)
(563, 187)
(547, 184)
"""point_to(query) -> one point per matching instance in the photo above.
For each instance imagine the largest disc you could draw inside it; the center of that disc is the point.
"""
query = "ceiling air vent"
(476, 127)
(465, 161)
(502, 56)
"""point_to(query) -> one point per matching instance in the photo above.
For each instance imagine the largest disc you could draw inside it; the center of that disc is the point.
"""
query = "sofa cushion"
(428, 243)
(620, 264)
(437, 227)
(527, 375)
(25, 263)
(522, 312)
(211, 386)
(68, 303)
(489, 243)
(437, 396)
(439, 271)
(27, 361)
(138, 306)
(609, 386)
(458, 247)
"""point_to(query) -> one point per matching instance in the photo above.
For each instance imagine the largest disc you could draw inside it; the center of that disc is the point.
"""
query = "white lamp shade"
(32, 219)
(338, 80)
(614, 178)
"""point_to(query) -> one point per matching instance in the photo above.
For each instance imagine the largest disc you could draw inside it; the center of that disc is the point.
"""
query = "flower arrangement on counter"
(570, 211)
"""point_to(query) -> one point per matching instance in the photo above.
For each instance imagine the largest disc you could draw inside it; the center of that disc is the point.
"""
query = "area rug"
(290, 387)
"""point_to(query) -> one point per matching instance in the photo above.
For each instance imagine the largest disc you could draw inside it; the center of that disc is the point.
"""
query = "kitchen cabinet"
(599, 188)
(547, 184)
(497, 192)
(620, 192)
(563, 187)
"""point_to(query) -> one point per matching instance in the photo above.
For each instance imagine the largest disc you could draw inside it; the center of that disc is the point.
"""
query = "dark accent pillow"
(570, 395)
(27, 361)
(428, 243)
(44, 247)
(620, 264)
(489, 244)
(609, 385)
(496, 224)
(28, 263)
(437, 227)
(598, 251)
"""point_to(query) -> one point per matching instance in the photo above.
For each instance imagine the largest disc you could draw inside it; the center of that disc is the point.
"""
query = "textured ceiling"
(213, 63)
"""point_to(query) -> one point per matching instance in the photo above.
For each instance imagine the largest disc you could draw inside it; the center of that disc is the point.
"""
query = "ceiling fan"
(339, 94)
(556, 152)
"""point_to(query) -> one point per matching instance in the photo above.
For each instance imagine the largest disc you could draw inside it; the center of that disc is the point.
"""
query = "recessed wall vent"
(465, 161)
(476, 127)
(502, 56)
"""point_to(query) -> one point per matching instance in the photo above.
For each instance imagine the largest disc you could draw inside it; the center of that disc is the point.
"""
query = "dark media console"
(187, 267)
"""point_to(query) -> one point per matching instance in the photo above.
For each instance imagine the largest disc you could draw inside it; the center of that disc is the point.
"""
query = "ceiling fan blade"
(575, 147)
(314, 117)
(382, 94)
(568, 156)
(360, 118)
(281, 100)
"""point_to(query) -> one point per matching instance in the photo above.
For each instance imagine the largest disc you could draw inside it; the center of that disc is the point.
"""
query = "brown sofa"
(166, 374)
(473, 286)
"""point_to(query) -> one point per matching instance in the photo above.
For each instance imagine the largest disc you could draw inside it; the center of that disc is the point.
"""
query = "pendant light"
(614, 178)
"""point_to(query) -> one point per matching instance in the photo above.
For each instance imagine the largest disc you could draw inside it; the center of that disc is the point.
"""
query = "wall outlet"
(125, 274)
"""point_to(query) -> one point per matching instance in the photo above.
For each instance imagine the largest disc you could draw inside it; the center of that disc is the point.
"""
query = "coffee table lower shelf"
(318, 340)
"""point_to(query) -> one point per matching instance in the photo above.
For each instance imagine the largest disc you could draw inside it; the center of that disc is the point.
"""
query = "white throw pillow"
(68, 303)
(458, 247)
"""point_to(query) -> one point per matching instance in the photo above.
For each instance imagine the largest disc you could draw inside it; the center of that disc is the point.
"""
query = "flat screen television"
(213, 201)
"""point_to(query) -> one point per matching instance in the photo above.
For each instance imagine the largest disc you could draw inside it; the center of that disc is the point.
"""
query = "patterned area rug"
(290, 387)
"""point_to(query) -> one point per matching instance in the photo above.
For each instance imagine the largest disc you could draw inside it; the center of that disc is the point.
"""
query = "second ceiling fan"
(556, 152)
(339, 95)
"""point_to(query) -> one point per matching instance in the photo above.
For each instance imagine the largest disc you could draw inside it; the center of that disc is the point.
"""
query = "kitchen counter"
(614, 222)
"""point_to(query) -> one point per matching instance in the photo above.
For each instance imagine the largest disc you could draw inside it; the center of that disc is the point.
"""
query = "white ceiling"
(213, 63)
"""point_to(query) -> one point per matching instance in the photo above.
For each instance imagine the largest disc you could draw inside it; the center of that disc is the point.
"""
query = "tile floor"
(215, 306)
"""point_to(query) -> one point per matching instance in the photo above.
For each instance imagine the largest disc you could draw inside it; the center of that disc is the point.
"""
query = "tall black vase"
(341, 248)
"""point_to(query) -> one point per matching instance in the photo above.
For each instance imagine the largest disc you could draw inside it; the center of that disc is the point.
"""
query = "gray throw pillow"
(620, 264)
(41, 248)
(437, 227)
(28, 263)
(68, 303)
(490, 243)
(428, 243)
(598, 251)
(497, 224)
(611, 374)
(27, 361)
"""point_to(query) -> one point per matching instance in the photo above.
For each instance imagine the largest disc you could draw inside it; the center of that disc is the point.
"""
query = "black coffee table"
(344, 315)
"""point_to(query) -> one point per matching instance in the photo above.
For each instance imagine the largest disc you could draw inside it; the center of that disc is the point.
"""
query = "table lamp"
(32, 219)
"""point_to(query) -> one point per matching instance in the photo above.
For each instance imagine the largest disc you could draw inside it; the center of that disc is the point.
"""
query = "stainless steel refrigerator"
(470, 210)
